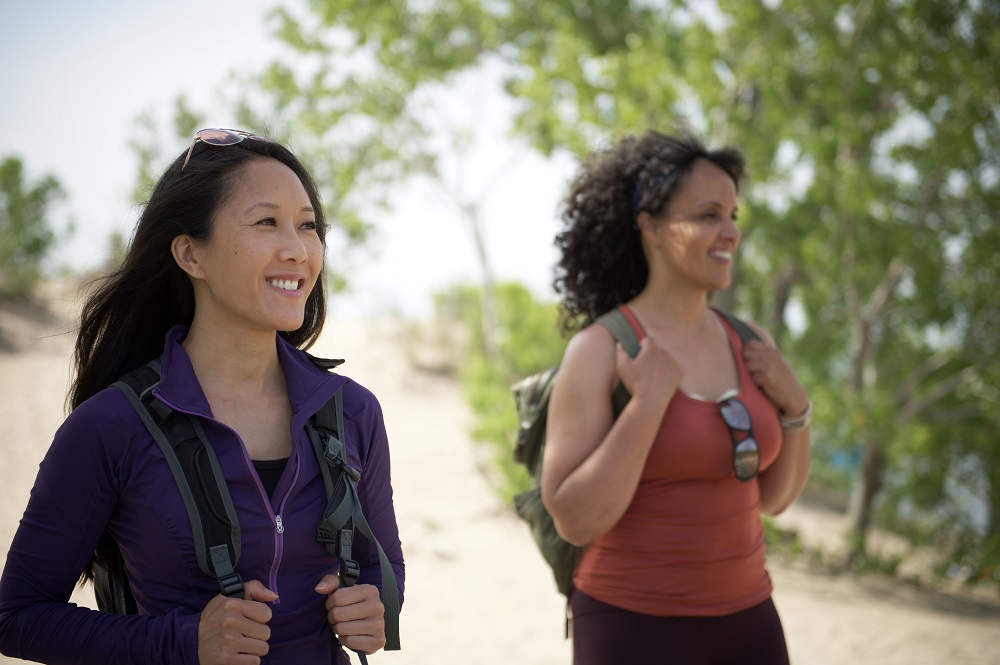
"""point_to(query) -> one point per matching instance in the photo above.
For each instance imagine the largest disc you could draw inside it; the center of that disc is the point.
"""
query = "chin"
(718, 285)
(288, 324)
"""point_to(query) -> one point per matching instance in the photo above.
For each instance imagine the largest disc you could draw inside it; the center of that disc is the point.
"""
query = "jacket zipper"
(279, 530)
(279, 527)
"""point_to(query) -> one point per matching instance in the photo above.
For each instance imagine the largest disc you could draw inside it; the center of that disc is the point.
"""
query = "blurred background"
(443, 134)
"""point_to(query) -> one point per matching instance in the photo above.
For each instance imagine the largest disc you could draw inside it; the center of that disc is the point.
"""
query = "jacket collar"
(309, 387)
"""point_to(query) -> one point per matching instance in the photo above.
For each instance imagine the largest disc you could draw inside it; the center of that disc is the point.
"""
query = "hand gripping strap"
(619, 323)
(343, 513)
(623, 332)
(215, 527)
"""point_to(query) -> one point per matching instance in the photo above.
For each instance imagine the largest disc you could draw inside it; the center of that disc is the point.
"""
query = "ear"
(186, 254)
(647, 225)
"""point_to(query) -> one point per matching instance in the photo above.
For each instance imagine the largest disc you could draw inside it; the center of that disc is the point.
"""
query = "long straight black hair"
(130, 310)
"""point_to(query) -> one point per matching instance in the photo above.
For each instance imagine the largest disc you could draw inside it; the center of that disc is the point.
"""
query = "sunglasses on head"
(220, 137)
(746, 452)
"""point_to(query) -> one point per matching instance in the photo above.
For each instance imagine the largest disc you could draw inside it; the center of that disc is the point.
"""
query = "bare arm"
(783, 482)
(593, 463)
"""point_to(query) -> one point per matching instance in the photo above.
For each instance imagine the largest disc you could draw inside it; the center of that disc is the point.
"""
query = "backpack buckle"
(231, 585)
(350, 571)
(332, 454)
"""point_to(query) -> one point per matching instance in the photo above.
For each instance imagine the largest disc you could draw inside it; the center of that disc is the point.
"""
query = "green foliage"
(26, 234)
(529, 342)
(147, 142)
(781, 541)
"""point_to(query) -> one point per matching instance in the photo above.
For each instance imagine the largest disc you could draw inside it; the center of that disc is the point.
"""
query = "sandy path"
(477, 592)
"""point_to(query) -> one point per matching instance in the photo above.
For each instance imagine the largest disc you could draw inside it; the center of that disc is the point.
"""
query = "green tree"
(149, 143)
(529, 342)
(366, 119)
(26, 234)
(872, 131)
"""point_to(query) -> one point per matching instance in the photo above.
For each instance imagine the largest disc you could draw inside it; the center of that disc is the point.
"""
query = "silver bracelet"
(792, 424)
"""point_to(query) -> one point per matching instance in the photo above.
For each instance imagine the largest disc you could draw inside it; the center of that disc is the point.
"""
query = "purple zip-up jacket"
(104, 471)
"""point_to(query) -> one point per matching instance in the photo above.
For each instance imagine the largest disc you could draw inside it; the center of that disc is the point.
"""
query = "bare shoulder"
(589, 355)
(592, 345)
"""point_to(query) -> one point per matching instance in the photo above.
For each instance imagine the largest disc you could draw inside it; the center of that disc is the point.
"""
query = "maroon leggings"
(607, 635)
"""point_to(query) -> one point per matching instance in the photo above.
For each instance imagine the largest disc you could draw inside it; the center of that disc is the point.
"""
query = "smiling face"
(264, 255)
(694, 241)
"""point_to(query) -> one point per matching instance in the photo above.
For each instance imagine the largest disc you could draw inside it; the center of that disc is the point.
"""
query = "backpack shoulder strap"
(343, 513)
(742, 328)
(196, 471)
(621, 329)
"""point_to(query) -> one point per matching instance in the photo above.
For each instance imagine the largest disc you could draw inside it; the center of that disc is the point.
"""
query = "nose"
(731, 232)
(292, 246)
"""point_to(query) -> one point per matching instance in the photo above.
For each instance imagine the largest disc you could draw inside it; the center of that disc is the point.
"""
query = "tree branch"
(883, 292)
(915, 407)
(905, 391)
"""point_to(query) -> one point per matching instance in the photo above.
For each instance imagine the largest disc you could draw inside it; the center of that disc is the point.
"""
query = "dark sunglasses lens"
(735, 415)
(746, 459)
(219, 136)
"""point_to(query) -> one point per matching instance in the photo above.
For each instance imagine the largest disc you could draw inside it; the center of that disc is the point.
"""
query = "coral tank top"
(691, 543)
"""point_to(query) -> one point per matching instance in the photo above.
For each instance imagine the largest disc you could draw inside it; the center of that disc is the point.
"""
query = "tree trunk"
(784, 280)
(488, 302)
(868, 484)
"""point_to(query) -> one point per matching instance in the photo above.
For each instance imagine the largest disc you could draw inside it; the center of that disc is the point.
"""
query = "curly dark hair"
(602, 264)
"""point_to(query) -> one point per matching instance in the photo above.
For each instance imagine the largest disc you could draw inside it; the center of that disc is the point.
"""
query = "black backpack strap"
(343, 512)
(111, 586)
(621, 329)
(743, 330)
(198, 475)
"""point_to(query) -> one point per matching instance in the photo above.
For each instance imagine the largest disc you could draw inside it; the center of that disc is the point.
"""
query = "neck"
(674, 307)
(234, 362)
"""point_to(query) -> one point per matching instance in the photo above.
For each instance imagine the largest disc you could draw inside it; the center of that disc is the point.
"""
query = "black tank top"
(269, 471)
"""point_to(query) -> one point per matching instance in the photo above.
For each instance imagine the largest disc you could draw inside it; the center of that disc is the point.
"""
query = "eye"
(310, 225)
(267, 221)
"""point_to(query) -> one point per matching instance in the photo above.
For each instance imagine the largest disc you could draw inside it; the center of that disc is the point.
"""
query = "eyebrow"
(714, 204)
(272, 206)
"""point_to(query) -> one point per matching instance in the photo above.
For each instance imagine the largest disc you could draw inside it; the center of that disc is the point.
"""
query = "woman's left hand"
(355, 613)
(773, 375)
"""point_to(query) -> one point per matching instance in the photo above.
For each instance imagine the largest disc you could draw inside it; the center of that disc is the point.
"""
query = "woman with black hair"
(223, 283)
(668, 495)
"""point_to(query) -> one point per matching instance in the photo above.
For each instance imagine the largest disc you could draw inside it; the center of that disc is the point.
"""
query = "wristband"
(792, 424)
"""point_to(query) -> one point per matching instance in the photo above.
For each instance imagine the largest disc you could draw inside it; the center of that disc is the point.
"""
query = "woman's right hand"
(652, 375)
(234, 631)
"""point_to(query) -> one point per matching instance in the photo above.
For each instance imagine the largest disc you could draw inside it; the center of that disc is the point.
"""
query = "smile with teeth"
(285, 284)
(719, 254)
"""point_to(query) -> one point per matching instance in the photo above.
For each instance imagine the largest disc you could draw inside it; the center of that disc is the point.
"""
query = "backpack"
(214, 523)
(531, 398)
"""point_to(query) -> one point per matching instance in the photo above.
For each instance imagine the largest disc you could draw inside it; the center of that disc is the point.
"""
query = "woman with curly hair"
(668, 495)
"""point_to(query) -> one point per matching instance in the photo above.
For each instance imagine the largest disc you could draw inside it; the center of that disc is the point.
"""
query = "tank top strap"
(632, 321)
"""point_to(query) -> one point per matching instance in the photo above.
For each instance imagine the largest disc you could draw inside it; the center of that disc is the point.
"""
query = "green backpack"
(531, 396)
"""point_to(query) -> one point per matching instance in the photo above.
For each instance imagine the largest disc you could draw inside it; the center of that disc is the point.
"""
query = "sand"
(476, 590)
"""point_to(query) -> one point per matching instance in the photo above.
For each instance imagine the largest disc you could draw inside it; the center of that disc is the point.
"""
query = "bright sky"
(76, 74)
